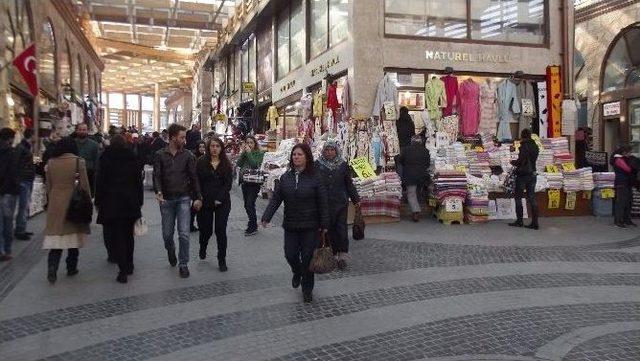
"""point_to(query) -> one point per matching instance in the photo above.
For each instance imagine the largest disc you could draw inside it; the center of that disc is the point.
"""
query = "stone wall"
(592, 40)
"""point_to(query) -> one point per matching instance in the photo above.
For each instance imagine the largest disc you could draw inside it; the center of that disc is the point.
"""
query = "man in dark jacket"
(89, 150)
(9, 190)
(193, 137)
(525, 168)
(415, 160)
(27, 173)
(405, 127)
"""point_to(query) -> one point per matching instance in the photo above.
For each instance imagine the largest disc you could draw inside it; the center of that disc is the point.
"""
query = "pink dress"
(469, 107)
(451, 89)
(489, 113)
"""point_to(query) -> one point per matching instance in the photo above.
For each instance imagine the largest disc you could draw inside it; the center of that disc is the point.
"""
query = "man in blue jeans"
(176, 186)
(9, 189)
(27, 174)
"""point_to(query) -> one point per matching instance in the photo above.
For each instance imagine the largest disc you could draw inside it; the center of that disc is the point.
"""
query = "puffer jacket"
(338, 184)
(305, 202)
(27, 169)
(9, 176)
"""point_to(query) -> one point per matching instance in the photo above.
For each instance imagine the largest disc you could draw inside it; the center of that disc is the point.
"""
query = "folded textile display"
(604, 179)
(545, 158)
(476, 209)
(554, 180)
(381, 206)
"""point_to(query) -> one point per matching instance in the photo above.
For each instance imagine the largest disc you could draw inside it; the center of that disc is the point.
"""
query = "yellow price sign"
(220, 117)
(460, 168)
(362, 167)
(554, 198)
(607, 193)
(552, 168)
(570, 202)
(248, 87)
(568, 166)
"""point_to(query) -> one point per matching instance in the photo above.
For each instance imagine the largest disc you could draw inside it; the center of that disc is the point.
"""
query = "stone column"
(156, 107)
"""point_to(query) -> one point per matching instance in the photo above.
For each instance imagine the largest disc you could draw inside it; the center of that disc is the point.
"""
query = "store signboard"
(332, 62)
(460, 56)
(610, 109)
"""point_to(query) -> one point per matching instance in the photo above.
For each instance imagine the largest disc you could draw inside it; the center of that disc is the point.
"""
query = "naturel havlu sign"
(467, 57)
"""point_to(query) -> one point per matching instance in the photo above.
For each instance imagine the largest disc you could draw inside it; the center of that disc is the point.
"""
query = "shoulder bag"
(80, 209)
(323, 260)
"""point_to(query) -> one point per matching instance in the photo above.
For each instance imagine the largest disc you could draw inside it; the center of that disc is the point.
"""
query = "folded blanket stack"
(604, 179)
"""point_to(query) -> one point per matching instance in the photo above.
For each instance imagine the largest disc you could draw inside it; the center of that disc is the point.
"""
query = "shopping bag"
(140, 228)
(323, 260)
(357, 229)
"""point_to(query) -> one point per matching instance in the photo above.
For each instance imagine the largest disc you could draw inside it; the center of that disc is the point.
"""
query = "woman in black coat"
(305, 213)
(119, 197)
(415, 161)
(215, 175)
(334, 172)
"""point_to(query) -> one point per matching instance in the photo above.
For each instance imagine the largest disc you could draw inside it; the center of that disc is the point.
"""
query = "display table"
(582, 208)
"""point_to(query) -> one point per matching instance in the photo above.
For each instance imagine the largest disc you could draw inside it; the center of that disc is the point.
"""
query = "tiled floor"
(412, 291)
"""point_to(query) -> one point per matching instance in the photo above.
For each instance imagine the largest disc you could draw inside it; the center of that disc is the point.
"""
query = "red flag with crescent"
(27, 65)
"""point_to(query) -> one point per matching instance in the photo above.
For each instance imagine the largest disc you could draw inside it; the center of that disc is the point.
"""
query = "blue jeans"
(179, 210)
(7, 209)
(24, 201)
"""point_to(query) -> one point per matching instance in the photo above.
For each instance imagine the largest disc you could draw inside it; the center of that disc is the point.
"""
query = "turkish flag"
(27, 65)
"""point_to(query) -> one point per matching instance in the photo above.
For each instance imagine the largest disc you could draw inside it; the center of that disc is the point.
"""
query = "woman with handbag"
(306, 212)
(119, 198)
(335, 173)
(250, 160)
(216, 177)
(63, 170)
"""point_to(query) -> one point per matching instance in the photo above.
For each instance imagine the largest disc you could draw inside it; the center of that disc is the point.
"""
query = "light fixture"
(10, 100)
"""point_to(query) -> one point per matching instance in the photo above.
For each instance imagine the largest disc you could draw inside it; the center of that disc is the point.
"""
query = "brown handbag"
(323, 260)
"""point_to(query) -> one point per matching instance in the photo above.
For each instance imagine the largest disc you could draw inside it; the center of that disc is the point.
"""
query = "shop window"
(65, 66)
(509, 21)
(87, 82)
(237, 68)
(265, 65)
(338, 21)
(329, 24)
(81, 81)
(622, 66)
(634, 125)
(75, 74)
(245, 63)
(47, 67)
(290, 39)
(16, 17)
(252, 60)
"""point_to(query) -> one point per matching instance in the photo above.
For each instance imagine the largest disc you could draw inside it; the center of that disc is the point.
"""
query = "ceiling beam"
(143, 20)
(131, 11)
(165, 55)
(171, 20)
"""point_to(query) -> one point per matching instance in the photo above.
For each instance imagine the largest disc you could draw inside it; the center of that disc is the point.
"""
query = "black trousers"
(298, 250)
(218, 216)
(249, 195)
(338, 230)
(91, 175)
(622, 208)
(72, 258)
(527, 183)
(118, 235)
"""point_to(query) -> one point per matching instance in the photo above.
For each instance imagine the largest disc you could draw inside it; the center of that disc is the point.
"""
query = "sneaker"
(250, 233)
(620, 225)
(51, 275)
(22, 237)
(72, 272)
(307, 297)
(532, 226)
(295, 281)
(173, 261)
(184, 271)
(515, 224)
(122, 278)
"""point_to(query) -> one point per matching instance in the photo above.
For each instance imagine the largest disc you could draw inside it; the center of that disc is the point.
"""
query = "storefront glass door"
(634, 125)
(611, 135)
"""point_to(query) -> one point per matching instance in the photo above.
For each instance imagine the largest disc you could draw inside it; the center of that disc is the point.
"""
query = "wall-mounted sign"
(326, 66)
(467, 57)
(287, 86)
(610, 109)
(248, 87)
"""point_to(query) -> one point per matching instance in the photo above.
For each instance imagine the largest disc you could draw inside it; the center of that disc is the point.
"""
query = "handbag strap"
(77, 176)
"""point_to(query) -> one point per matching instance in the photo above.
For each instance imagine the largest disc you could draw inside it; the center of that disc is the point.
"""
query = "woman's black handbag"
(358, 225)
(80, 206)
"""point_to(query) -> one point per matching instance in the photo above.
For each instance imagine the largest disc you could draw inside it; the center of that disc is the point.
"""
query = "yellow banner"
(570, 203)
(554, 103)
(554, 198)
(362, 167)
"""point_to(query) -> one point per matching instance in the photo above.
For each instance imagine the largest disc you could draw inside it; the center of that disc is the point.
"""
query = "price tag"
(568, 166)
(432, 202)
(220, 117)
(460, 168)
(362, 167)
(479, 149)
(248, 87)
(586, 195)
(453, 205)
(551, 168)
(570, 202)
(554, 198)
(607, 193)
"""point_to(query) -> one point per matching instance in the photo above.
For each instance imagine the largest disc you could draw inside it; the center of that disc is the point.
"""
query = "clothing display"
(317, 104)
(489, 111)
(542, 109)
(453, 97)
(526, 99)
(386, 92)
(435, 98)
(306, 103)
(345, 99)
(469, 93)
(450, 125)
(332, 99)
(569, 116)
(507, 105)
(272, 117)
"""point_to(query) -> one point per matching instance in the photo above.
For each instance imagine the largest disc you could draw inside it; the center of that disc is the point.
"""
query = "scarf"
(331, 164)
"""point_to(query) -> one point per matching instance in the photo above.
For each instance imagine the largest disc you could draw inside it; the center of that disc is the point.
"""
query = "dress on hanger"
(524, 90)
(317, 104)
(488, 113)
(507, 102)
(469, 107)
(332, 100)
(346, 101)
(434, 98)
(306, 102)
(453, 97)
(387, 92)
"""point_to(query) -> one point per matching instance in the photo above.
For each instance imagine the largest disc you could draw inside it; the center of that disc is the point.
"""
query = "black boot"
(516, 224)
(307, 297)
(222, 265)
(203, 251)
(122, 278)
(52, 274)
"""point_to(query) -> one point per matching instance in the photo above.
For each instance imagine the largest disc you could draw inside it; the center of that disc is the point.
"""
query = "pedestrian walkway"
(413, 291)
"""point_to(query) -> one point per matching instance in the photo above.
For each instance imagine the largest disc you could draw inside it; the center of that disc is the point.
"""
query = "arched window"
(47, 62)
(65, 65)
(96, 88)
(87, 82)
(622, 64)
(80, 90)
(75, 74)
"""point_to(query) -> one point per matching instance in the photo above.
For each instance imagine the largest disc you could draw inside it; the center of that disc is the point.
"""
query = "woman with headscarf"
(335, 174)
